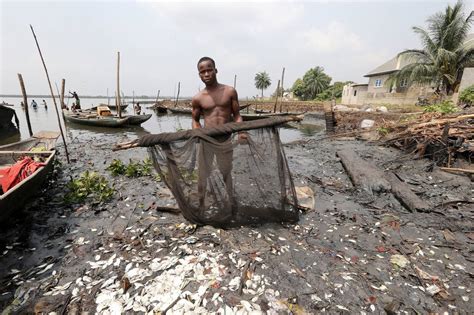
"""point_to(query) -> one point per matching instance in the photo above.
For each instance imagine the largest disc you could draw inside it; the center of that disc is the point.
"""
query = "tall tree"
(262, 81)
(314, 82)
(445, 51)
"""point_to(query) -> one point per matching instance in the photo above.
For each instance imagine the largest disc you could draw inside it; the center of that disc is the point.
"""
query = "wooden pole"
(52, 95)
(157, 96)
(119, 109)
(25, 101)
(108, 98)
(60, 101)
(177, 95)
(235, 81)
(133, 101)
(63, 88)
(282, 90)
(276, 95)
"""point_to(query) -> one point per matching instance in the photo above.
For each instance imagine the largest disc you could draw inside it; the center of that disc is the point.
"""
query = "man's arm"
(196, 113)
(235, 106)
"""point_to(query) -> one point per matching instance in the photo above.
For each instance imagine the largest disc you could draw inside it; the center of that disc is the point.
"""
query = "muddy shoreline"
(353, 253)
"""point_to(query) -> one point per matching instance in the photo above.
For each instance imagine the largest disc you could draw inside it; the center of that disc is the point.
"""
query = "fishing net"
(220, 179)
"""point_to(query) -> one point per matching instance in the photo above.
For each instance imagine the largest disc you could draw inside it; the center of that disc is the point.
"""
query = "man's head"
(207, 70)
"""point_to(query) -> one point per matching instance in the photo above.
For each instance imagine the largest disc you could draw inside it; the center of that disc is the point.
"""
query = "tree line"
(447, 48)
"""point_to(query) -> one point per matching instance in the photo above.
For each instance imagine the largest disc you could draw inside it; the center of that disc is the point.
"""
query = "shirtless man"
(219, 104)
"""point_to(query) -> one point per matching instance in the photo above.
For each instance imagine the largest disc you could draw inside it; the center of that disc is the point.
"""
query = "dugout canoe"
(16, 197)
(189, 111)
(91, 119)
(248, 117)
(111, 107)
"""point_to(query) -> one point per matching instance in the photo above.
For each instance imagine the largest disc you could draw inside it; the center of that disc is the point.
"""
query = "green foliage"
(383, 130)
(116, 167)
(262, 81)
(467, 95)
(445, 52)
(445, 107)
(314, 82)
(132, 169)
(89, 185)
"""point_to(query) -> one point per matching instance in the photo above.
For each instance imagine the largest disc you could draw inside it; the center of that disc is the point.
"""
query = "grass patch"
(89, 185)
(132, 169)
(445, 107)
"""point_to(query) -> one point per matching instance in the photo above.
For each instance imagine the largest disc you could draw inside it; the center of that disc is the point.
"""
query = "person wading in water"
(218, 104)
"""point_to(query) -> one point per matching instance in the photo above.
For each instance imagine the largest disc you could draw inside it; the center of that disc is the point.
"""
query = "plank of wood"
(363, 174)
(457, 170)
(405, 195)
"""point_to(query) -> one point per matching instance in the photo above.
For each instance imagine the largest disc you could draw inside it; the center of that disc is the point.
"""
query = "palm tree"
(445, 51)
(316, 81)
(262, 81)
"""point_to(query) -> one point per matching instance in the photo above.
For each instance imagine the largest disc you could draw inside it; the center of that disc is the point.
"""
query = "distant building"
(378, 91)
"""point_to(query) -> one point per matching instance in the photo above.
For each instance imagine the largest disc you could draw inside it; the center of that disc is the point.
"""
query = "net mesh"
(226, 181)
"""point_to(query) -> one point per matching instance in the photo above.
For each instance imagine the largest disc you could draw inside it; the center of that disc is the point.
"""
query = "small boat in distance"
(189, 111)
(41, 146)
(112, 107)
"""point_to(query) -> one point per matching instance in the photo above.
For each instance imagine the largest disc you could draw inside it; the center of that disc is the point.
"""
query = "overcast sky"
(160, 42)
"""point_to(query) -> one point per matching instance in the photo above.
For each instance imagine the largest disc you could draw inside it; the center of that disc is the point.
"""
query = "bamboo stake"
(235, 81)
(52, 95)
(119, 109)
(276, 95)
(25, 101)
(157, 96)
(60, 98)
(282, 90)
(133, 102)
(177, 95)
(108, 98)
(63, 88)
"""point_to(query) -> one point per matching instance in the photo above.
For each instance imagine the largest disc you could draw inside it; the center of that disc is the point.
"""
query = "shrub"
(89, 185)
(466, 97)
(132, 169)
(445, 107)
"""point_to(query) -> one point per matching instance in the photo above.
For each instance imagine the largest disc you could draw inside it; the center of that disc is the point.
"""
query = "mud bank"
(354, 253)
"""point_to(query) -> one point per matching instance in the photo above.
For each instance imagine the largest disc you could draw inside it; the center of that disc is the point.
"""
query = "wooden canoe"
(16, 197)
(247, 117)
(111, 107)
(91, 119)
(189, 111)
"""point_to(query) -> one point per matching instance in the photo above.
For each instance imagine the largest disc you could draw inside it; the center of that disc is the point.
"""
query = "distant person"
(76, 97)
(138, 108)
(44, 104)
(22, 105)
(73, 107)
(34, 104)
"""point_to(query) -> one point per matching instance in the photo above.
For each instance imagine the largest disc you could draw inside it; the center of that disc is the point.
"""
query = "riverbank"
(355, 252)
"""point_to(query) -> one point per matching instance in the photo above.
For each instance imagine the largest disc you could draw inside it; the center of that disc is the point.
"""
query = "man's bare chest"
(215, 101)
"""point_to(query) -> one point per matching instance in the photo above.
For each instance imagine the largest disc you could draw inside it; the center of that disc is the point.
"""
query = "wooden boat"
(91, 119)
(247, 117)
(111, 107)
(189, 111)
(157, 107)
(6, 104)
(16, 197)
(6, 115)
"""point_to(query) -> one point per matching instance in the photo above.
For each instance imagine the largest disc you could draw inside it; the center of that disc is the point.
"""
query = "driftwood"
(363, 174)
(441, 139)
(405, 196)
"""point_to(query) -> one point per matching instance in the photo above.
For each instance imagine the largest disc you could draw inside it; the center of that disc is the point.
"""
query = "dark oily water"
(45, 119)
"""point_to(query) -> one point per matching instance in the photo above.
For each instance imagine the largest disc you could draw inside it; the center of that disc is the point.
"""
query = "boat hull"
(18, 196)
(108, 122)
